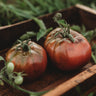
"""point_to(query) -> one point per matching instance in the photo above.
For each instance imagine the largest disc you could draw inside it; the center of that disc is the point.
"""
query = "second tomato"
(65, 54)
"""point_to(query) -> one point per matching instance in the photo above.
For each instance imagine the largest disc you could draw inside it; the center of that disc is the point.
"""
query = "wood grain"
(69, 84)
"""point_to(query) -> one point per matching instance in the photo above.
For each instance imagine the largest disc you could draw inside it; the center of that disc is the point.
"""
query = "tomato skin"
(32, 62)
(65, 54)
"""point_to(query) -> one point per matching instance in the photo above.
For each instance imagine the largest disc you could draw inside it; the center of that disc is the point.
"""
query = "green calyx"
(24, 45)
(64, 26)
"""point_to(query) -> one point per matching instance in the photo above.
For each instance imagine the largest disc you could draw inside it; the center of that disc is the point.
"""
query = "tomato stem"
(24, 45)
(21, 89)
(66, 29)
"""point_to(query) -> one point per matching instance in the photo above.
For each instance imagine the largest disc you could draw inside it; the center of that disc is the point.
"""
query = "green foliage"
(1, 58)
(15, 79)
(89, 34)
(21, 10)
(64, 26)
(91, 94)
(27, 36)
(43, 31)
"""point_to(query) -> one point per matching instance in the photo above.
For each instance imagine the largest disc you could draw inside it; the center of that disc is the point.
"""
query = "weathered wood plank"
(69, 84)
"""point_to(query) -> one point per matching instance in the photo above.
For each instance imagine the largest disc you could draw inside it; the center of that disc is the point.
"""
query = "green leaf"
(48, 30)
(59, 5)
(42, 33)
(91, 94)
(76, 28)
(93, 5)
(40, 23)
(62, 22)
(94, 58)
(27, 35)
(31, 34)
(24, 37)
(1, 58)
(31, 6)
(43, 30)
(83, 29)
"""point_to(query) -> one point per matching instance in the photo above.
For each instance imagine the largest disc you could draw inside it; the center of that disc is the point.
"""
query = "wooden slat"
(66, 86)
(81, 7)
(85, 8)
(15, 24)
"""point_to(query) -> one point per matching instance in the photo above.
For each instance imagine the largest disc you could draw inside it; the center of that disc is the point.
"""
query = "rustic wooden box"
(62, 83)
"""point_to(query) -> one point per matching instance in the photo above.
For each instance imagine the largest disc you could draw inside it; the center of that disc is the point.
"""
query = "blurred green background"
(13, 11)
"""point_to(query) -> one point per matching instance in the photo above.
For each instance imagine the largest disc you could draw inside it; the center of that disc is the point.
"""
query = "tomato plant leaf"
(40, 23)
(62, 22)
(76, 28)
(1, 58)
(31, 34)
(42, 33)
(24, 37)
(27, 35)
(31, 6)
(83, 29)
(43, 30)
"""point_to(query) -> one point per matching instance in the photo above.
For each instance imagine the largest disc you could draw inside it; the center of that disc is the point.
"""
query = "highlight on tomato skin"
(32, 60)
(65, 54)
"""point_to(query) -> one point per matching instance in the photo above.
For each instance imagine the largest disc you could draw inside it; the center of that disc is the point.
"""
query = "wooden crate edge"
(71, 83)
(86, 8)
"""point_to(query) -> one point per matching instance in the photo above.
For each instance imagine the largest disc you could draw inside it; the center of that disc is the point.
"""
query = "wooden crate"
(62, 83)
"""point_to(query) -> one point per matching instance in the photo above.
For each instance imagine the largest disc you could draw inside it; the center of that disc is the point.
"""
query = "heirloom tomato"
(65, 54)
(28, 57)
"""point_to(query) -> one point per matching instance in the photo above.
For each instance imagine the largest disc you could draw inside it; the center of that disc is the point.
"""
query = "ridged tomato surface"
(32, 62)
(65, 54)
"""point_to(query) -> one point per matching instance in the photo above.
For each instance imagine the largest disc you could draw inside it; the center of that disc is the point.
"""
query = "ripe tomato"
(65, 54)
(32, 61)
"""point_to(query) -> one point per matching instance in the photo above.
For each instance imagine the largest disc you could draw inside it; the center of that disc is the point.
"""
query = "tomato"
(65, 54)
(29, 58)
